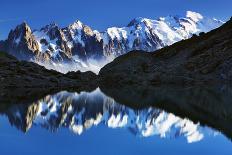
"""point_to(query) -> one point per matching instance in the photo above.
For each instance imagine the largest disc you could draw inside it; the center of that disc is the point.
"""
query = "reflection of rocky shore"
(210, 106)
(138, 109)
(81, 111)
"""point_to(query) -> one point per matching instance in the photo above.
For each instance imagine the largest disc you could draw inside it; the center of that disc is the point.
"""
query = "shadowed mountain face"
(163, 111)
(204, 58)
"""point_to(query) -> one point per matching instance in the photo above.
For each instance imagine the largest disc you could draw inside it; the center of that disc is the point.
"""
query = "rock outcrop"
(21, 43)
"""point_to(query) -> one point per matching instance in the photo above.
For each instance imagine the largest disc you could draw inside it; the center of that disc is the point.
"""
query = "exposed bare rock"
(21, 43)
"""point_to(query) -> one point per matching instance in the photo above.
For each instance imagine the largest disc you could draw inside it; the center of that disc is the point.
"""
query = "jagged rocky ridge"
(201, 59)
(78, 47)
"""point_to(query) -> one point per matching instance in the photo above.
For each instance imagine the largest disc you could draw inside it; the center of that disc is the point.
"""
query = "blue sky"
(100, 14)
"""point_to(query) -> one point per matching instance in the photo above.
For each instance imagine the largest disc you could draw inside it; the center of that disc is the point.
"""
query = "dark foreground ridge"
(22, 74)
(206, 58)
(21, 80)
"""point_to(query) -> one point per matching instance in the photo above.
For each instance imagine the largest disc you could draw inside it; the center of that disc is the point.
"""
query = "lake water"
(94, 123)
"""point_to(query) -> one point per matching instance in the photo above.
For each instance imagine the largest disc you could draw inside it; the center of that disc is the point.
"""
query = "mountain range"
(79, 47)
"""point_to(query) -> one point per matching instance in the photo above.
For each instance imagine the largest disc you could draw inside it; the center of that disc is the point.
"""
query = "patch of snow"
(117, 121)
(78, 129)
(194, 16)
(17, 41)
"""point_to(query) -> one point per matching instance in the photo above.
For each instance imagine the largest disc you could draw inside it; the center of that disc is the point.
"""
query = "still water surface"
(94, 123)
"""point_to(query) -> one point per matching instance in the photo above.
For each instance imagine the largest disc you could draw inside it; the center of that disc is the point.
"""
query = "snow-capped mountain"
(78, 47)
(82, 111)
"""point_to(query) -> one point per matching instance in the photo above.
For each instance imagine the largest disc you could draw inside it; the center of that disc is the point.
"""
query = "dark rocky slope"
(201, 59)
(21, 79)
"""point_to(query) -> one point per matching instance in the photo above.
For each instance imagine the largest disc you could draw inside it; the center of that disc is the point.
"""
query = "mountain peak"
(50, 26)
(53, 24)
(23, 25)
(194, 16)
(137, 20)
(20, 30)
(78, 22)
(76, 25)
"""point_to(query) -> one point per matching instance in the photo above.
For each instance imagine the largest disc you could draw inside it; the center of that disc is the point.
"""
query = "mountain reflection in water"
(79, 112)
